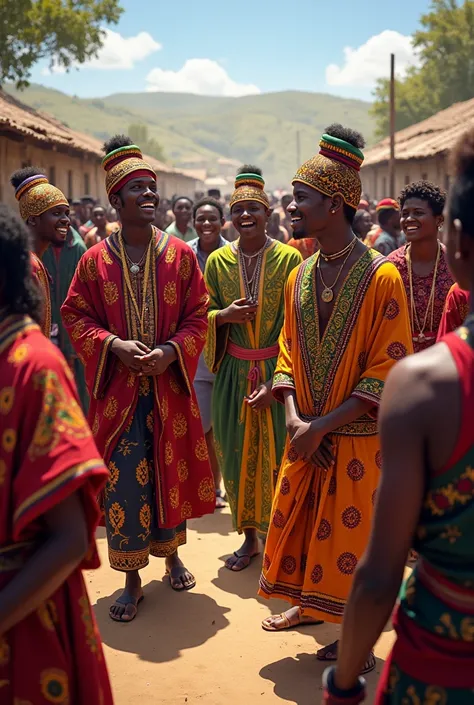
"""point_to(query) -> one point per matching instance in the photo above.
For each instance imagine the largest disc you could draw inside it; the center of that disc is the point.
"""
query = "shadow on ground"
(166, 623)
(298, 679)
(218, 523)
(243, 583)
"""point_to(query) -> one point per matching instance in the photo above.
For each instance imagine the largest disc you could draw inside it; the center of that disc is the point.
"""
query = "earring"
(458, 255)
(333, 212)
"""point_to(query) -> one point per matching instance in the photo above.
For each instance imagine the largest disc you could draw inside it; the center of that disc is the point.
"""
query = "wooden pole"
(392, 127)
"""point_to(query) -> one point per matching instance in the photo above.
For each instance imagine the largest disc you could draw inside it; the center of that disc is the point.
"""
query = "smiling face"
(208, 224)
(309, 211)
(418, 221)
(250, 218)
(52, 227)
(137, 201)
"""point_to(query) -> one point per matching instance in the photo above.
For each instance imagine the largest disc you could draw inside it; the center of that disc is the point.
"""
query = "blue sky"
(219, 48)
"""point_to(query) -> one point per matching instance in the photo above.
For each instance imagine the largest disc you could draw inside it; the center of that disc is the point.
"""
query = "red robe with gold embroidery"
(46, 454)
(97, 309)
(41, 277)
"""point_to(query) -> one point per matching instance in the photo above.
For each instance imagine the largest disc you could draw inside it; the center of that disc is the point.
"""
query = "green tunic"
(61, 265)
(249, 445)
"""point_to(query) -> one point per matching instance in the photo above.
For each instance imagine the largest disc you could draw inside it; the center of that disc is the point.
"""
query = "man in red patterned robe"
(137, 316)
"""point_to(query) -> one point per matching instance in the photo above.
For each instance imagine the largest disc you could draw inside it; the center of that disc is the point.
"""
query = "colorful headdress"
(35, 195)
(124, 164)
(334, 170)
(249, 187)
(387, 204)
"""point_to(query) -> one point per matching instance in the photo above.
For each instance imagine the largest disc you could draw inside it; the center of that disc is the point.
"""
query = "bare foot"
(287, 620)
(125, 607)
(242, 558)
(179, 575)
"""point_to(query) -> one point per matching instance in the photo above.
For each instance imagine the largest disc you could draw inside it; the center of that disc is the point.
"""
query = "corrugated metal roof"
(46, 129)
(436, 135)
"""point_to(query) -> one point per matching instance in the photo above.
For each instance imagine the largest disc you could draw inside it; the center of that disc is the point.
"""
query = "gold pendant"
(327, 295)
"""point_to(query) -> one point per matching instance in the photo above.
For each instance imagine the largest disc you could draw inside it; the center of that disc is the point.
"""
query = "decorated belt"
(14, 556)
(364, 426)
(252, 355)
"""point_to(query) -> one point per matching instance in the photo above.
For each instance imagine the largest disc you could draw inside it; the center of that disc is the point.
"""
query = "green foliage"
(446, 74)
(260, 129)
(138, 133)
(64, 31)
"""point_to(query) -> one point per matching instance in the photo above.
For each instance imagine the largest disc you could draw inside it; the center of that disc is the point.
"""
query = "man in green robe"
(61, 263)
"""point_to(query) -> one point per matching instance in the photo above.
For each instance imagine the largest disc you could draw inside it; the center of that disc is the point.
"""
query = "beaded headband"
(35, 196)
(334, 170)
(122, 165)
(249, 187)
(387, 204)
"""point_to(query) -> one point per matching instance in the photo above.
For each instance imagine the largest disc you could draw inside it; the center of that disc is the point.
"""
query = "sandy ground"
(207, 645)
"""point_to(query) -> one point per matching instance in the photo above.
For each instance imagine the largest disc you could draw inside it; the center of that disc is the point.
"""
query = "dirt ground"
(207, 645)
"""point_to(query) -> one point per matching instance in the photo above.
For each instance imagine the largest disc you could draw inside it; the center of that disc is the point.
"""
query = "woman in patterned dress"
(50, 474)
(422, 261)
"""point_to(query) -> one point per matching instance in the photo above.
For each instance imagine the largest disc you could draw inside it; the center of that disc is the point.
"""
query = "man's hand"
(240, 311)
(261, 398)
(157, 361)
(307, 438)
(324, 456)
(130, 352)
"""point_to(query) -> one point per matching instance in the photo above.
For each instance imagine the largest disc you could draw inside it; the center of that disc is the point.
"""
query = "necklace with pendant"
(327, 293)
(135, 267)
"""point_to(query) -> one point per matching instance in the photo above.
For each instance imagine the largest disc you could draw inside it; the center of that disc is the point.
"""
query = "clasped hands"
(141, 360)
(310, 441)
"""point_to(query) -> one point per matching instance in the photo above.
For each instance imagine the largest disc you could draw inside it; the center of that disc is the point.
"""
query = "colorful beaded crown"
(249, 187)
(334, 170)
(35, 196)
(122, 165)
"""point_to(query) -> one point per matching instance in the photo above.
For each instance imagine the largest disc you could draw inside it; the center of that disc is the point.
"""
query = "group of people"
(290, 372)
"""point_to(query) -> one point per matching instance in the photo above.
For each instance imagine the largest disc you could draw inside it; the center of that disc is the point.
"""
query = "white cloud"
(200, 76)
(117, 52)
(364, 65)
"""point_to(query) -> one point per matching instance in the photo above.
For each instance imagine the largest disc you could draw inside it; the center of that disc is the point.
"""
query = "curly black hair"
(208, 201)
(462, 190)
(425, 191)
(345, 133)
(249, 169)
(116, 142)
(20, 175)
(18, 292)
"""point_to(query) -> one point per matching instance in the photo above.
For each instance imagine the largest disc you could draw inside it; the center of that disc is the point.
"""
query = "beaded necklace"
(128, 283)
(251, 284)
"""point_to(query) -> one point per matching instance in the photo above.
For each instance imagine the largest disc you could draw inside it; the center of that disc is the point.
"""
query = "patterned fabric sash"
(454, 596)
(253, 355)
(14, 556)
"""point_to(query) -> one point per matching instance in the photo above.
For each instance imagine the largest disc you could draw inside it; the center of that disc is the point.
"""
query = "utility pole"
(298, 149)
(392, 127)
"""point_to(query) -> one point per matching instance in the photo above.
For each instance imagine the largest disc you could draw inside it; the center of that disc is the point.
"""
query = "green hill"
(261, 129)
